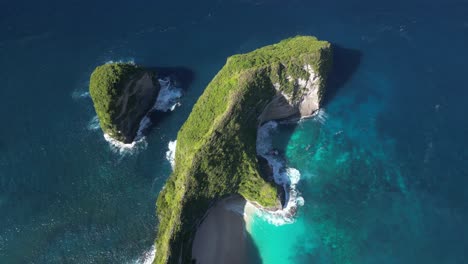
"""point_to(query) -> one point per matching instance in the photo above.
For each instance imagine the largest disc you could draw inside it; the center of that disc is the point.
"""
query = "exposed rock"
(216, 147)
(143, 90)
(122, 93)
(283, 106)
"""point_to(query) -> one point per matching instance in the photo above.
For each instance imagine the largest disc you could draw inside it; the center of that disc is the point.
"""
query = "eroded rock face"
(122, 94)
(309, 101)
(216, 155)
(278, 108)
(138, 97)
(283, 106)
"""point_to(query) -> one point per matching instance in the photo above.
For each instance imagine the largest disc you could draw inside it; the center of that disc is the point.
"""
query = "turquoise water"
(381, 167)
(383, 170)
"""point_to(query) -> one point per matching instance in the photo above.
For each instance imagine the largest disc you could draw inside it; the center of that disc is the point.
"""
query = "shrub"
(216, 146)
(105, 87)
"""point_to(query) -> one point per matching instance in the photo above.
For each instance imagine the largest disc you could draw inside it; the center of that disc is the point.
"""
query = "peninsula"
(216, 153)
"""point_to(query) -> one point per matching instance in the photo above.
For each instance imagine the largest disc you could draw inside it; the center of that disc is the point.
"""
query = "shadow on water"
(181, 77)
(253, 253)
(345, 63)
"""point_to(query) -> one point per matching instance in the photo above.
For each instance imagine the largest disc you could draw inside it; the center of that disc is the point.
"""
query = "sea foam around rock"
(283, 176)
(147, 257)
(170, 153)
(167, 100)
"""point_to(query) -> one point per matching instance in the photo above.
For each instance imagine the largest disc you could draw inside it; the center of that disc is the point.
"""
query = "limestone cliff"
(216, 147)
(304, 104)
(122, 94)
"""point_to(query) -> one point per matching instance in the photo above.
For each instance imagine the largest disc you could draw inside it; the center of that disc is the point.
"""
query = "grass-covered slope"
(108, 85)
(216, 154)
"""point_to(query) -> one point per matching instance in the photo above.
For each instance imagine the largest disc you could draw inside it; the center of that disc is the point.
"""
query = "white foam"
(93, 124)
(167, 100)
(138, 144)
(294, 175)
(129, 61)
(170, 153)
(147, 257)
(168, 97)
(283, 176)
(321, 116)
(79, 94)
(126, 149)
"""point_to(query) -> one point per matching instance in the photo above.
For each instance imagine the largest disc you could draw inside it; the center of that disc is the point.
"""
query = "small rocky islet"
(122, 94)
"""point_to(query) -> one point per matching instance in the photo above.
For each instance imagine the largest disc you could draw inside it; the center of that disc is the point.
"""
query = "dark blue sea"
(383, 167)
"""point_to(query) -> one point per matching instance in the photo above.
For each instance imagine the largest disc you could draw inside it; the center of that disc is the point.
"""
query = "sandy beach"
(221, 237)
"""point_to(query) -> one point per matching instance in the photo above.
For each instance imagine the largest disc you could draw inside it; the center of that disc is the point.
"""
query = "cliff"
(122, 94)
(216, 146)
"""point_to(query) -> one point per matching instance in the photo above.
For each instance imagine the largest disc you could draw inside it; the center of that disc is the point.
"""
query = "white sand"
(221, 236)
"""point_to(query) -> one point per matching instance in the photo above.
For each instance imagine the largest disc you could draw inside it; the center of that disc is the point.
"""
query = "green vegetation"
(216, 147)
(106, 87)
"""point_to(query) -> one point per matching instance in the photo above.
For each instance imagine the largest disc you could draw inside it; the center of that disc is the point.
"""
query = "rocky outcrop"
(283, 106)
(138, 96)
(216, 152)
(122, 93)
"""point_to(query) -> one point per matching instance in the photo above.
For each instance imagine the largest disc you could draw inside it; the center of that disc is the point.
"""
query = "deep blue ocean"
(384, 171)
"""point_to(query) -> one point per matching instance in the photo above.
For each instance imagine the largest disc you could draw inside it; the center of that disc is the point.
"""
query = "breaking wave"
(128, 60)
(93, 124)
(147, 257)
(282, 175)
(321, 116)
(170, 153)
(79, 94)
(168, 97)
(126, 148)
(167, 100)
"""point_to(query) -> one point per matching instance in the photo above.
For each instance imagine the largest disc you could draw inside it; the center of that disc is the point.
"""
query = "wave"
(282, 175)
(170, 153)
(93, 124)
(147, 257)
(127, 60)
(126, 149)
(167, 100)
(168, 97)
(321, 116)
(138, 144)
(80, 94)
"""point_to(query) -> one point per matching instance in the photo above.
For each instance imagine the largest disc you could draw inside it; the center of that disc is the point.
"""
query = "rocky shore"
(216, 154)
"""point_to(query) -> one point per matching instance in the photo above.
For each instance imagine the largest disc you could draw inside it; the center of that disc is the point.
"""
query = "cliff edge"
(216, 147)
(122, 94)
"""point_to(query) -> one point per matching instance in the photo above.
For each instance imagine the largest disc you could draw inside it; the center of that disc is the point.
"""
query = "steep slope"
(122, 94)
(216, 155)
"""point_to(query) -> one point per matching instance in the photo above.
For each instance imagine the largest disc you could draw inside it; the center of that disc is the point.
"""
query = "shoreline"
(222, 235)
(166, 101)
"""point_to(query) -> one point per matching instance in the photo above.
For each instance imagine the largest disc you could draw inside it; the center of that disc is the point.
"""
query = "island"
(216, 153)
(122, 94)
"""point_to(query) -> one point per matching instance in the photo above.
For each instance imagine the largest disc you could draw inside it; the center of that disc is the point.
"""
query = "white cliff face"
(283, 106)
(309, 102)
